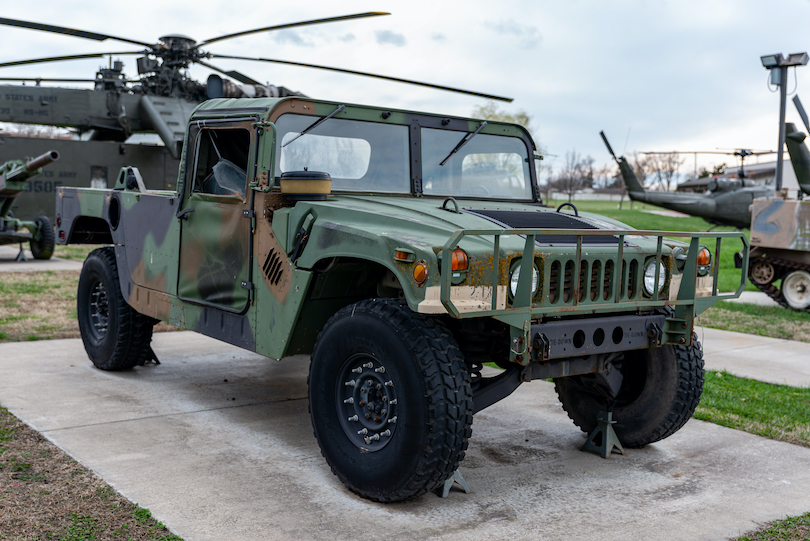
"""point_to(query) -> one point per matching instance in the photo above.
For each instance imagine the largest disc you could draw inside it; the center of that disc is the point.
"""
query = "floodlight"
(796, 59)
(771, 60)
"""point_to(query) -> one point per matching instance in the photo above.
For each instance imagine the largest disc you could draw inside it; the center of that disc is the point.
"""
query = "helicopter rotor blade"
(798, 103)
(241, 77)
(61, 58)
(47, 80)
(604, 138)
(365, 74)
(68, 31)
(293, 25)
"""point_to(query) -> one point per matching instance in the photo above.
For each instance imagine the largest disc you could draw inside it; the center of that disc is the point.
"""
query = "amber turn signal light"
(459, 262)
(704, 257)
(420, 273)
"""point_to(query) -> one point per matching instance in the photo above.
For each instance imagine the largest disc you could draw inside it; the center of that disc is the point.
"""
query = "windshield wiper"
(467, 138)
(315, 125)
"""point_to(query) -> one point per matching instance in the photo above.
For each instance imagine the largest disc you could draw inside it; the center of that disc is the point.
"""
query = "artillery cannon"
(14, 175)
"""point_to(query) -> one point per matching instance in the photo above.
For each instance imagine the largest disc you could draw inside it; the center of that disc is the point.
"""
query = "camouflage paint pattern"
(237, 268)
(780, 223)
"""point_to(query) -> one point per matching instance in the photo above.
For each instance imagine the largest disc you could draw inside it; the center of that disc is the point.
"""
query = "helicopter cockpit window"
(359, 156)
(222, 159)
(488, 166)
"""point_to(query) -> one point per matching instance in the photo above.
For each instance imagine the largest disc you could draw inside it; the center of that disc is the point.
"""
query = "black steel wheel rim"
(366, 402)
(99, 310)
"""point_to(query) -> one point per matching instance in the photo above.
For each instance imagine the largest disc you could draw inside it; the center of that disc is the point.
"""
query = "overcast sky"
(674, 75)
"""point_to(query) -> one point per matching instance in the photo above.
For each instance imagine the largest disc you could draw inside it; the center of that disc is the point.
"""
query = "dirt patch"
(45, 494)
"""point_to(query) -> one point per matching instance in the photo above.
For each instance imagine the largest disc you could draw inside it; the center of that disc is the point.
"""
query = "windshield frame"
(415, 122)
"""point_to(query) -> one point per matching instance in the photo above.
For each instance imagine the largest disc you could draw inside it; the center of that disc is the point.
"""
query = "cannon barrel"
(41, 161)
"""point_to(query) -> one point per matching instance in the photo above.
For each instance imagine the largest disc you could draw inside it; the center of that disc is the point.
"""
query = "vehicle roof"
(223, 108)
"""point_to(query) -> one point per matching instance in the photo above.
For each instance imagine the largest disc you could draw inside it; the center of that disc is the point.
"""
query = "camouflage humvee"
(402, 250)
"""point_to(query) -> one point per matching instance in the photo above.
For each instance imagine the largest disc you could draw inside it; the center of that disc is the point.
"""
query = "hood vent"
(522, 219)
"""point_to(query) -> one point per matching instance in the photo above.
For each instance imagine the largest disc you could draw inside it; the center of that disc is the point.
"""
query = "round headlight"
(513, 280)
(649, 277)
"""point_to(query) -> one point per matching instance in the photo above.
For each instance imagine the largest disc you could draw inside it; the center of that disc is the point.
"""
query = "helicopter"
(726, 203)
(160, 100)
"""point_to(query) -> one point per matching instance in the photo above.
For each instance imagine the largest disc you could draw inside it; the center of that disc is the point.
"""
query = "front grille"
(593, 284)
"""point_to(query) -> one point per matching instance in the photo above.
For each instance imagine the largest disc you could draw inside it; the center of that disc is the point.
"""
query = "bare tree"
(575, 174)
(665, 168)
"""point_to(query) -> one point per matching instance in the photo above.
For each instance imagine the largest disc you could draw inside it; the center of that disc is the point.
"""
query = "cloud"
(292, 37)
(438, 36)
(529, 36)
(347, 38)
(387, 37)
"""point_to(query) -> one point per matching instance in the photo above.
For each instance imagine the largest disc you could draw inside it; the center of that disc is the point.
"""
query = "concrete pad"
(757, 357)
(670, 213)
(755, 297)
(173, 439)
(8, 262)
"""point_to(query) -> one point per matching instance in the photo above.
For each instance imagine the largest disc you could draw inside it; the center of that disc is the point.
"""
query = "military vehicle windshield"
(359, 156)
(488, 166)
(375, 157)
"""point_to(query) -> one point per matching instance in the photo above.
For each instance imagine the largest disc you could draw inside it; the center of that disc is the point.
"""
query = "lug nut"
(350, 383)
(375, 437)
(357, 370)
(386, 433)
(392, 420)
(393, 402)
(354, 418)
(385, 398)
(349, 400)
(380, 370)
(364, 431)
(389, 383)
(368, 415)
(368, 365)
(383, 412)
(376, 419)
(362, 403)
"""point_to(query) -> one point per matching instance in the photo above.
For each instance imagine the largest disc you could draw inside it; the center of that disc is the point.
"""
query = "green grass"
(788, 529)
(75, 252)
(779, 412)
(773, 321)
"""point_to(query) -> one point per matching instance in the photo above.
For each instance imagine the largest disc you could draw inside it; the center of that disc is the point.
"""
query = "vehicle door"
(215, 236)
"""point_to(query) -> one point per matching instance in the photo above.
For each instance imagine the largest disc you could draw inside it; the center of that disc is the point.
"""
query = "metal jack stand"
(444, 491)
(605, 434)
(21, 255)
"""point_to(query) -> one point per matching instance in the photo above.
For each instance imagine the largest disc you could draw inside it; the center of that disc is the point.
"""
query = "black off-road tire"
(660, 391)
(115, 336)
(424, 372)
(43, 248)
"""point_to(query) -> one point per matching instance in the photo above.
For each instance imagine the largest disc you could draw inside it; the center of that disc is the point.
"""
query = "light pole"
(778, 65)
